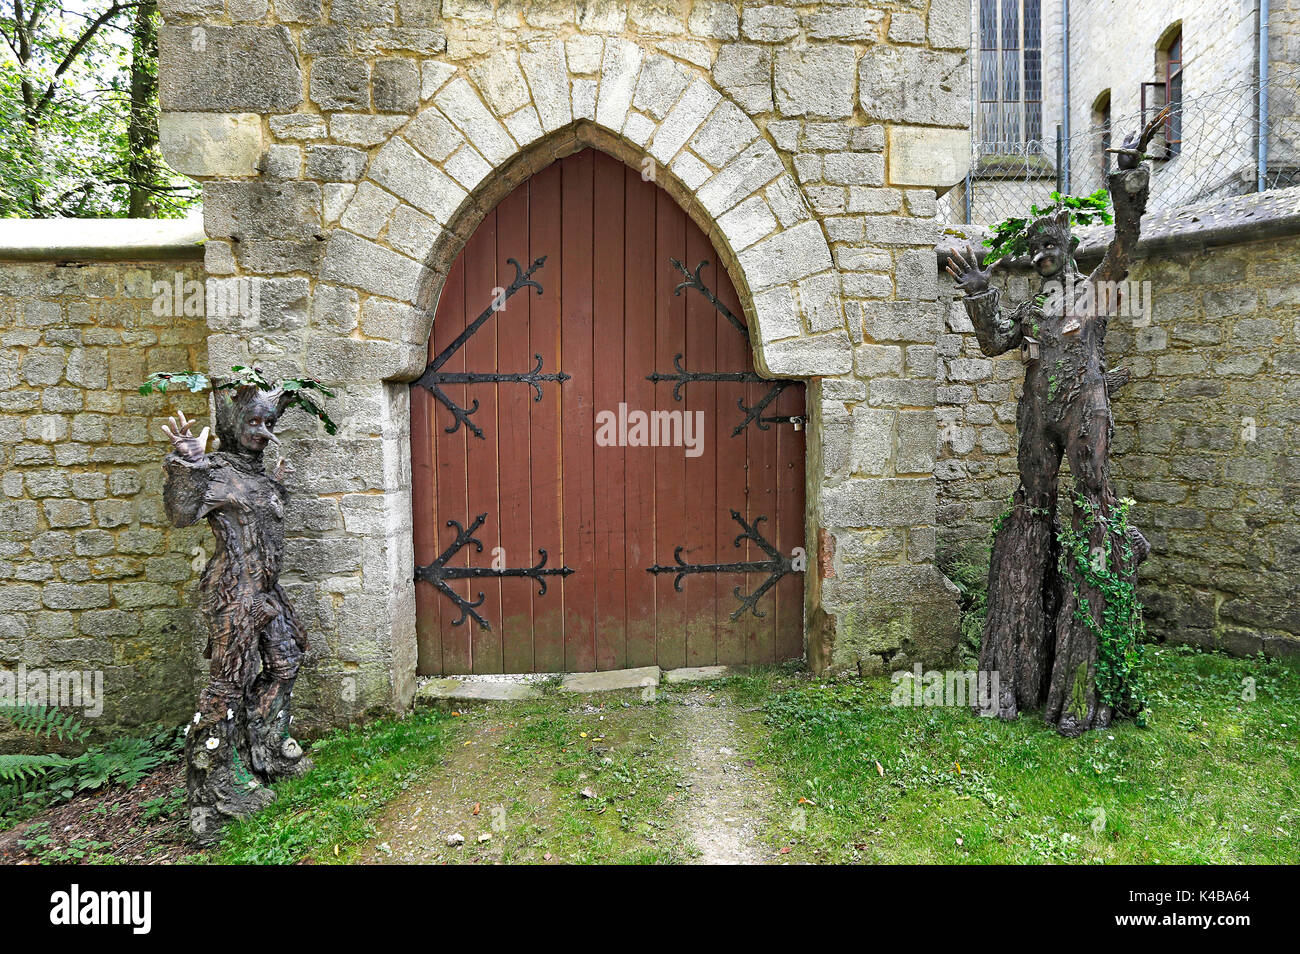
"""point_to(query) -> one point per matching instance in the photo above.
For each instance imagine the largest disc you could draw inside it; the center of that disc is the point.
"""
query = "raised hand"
(964, 267)
(283, 469)
(1131, 154)
(187, 445)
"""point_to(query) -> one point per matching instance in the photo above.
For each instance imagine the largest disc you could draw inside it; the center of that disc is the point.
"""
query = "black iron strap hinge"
(434, 376)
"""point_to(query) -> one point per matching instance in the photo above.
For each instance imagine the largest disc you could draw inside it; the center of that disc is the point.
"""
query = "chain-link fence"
(1208, 148)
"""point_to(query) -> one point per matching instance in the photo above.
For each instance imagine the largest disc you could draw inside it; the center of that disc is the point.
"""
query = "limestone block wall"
(92, 576)
(348, 152)
(1206, 436)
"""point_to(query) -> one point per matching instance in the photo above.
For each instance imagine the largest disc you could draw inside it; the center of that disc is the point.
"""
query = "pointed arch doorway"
(600, 479)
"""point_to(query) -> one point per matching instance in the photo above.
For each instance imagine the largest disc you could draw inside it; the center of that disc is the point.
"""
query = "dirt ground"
(697, 798)
(616, 777)
(143, 825)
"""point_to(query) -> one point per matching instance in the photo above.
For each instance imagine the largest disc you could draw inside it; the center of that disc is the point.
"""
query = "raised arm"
(1128, 192)
(185, 492)
(996, 334)
(1129, 188)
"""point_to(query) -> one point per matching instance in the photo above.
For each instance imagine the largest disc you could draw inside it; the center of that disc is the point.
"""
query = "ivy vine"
(1121, 631)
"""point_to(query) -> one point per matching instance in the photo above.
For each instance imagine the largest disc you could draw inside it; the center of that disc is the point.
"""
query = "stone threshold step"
(469, 689)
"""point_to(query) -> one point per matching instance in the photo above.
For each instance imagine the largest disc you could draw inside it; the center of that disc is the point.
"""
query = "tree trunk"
(142, 123)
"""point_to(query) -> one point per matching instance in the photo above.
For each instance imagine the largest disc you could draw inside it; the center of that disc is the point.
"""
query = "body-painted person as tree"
(239, 738)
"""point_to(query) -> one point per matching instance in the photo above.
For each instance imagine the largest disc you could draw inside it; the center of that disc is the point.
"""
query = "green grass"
(555, 749)
(358, 771)
(1214, 778)
(531, 761)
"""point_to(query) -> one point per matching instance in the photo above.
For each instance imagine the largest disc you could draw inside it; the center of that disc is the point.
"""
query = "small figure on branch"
(1063, 621)
(239, 739)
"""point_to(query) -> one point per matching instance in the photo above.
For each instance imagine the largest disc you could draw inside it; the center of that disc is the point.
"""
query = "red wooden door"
(600, 480)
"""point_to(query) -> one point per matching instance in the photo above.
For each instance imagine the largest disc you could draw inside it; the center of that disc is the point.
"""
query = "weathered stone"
(402, 170)
(211, 144)
(474, 690)
(253, 210)
(828, 22)
(909, 85)
(363, 130)
(713, 19)
(351, 260)
(340, 82)
(227, 69)
(335, 163)
(769, 24)
(646, 676)
(815, 81)
(689, 674)
(396, 85)
(744, 72)
(927, 156)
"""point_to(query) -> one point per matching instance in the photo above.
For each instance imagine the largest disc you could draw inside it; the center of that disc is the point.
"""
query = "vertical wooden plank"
(514, 457)
(669, 462)
(449, 464)
(639, 266)
(424, 528)
(790, 525)
(762, 501)
(609, 458)
(578, 399)
(701, 473)
(546, 462)
(481, 453)
(733, 462)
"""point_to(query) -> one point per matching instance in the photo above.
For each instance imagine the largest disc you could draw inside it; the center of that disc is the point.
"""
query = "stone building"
(1193, 52)
(1121, 62)
(355, 158)
(347, 155)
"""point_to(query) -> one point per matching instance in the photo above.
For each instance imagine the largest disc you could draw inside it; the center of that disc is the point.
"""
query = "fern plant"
(46, 721)
(17, 770)
(22, 774)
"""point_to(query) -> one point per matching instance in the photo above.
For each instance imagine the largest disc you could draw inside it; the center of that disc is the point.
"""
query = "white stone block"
(749, 222)
(925, 156)
(548, 77)
(617, 83)
(501, 83)
(683, 120)
(463, 107)
(402, 170)
(211, 144)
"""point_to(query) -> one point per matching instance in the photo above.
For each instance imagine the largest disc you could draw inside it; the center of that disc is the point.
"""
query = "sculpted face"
(256, 426)
(1047, 256)
(1049, 245)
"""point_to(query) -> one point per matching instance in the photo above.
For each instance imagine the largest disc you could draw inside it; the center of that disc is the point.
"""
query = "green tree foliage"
(79, 112)
(1010, 238)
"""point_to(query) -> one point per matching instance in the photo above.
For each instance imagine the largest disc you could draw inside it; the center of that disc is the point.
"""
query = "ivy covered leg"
(1099, 626)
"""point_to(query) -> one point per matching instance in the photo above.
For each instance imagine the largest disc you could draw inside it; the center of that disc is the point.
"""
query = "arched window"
(1101, 122)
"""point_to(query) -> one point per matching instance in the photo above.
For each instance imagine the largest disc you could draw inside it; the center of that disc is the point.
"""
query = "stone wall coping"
(1231, 221)
(101, 240)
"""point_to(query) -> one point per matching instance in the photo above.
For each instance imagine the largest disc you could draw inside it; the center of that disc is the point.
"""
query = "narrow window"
(1101, 121)
(1174, 92)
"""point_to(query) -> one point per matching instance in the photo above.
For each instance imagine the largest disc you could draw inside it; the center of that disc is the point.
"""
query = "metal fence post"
(1060, 169)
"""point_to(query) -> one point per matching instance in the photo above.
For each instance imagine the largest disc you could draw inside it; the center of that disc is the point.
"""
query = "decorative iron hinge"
(438, 573)
(681, 376)
(433, 376)
(776, 566)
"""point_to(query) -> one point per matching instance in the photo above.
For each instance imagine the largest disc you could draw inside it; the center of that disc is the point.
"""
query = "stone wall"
(348, 152)
(92, 577)
(1206, 435)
